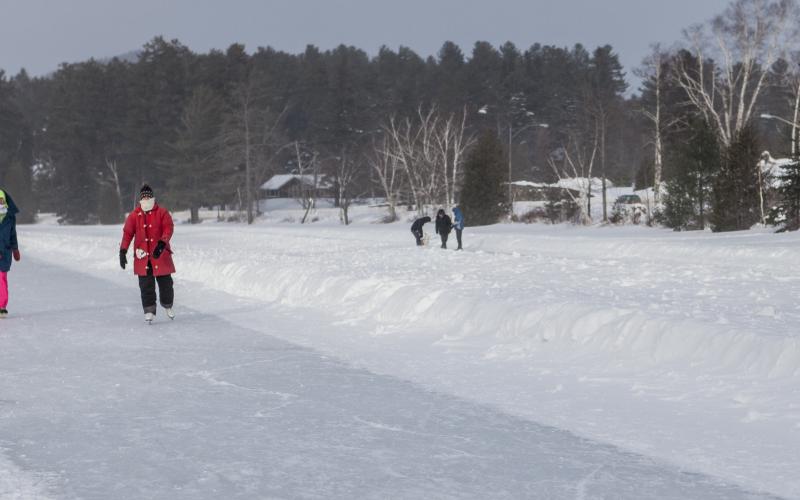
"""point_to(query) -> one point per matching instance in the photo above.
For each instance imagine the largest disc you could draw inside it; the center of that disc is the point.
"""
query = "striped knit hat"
(146, 192)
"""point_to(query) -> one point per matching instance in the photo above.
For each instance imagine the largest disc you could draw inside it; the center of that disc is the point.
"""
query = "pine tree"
(604, 88)
(483, 76)
(18, 182)
(73, 143)
(15, 151)
(447, 79)
(735, 202)
(159, 87)
(483, 194)
(787, 211)
(692, 161)
(193, 169)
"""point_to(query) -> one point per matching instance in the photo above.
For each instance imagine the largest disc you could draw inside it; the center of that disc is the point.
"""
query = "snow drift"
(520, 293)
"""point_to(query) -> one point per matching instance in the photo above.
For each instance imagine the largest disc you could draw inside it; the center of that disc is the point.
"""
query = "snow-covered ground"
(680, 347)
(97, 405)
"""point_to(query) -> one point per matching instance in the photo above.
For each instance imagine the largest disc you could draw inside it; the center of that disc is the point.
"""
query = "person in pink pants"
(8, 245)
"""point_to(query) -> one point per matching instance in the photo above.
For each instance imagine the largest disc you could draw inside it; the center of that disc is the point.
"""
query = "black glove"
(123, 259)
(160, 246)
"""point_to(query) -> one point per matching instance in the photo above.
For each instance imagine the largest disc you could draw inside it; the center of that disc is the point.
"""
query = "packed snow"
(678, 347)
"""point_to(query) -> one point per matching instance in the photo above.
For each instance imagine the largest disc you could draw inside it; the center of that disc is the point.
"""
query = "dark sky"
(40, 34)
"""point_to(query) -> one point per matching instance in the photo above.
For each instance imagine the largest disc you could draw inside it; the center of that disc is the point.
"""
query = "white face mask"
(147, 204)
(3, 209)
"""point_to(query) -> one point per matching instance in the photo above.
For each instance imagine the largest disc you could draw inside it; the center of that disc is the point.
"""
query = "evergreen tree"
(605, 84)
(15, 151)
(194, 181)
(786, 213)
(76, 140)
(399, 81)
(159, 88)
(483, 194)
(735, 197)
(483, 76)
(692, 161)
(446, 79)
(18, 181)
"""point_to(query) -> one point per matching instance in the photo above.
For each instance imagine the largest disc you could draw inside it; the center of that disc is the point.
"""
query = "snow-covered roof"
(577, 184)
(276, 182)
(529, 184)
(582, 183)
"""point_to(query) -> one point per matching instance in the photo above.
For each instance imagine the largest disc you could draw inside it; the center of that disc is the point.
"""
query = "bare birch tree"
(655, 74)
(428, 157)
(307, 165)
(453, 142)
(403, 149)
(577, 162)
(249, 137)
(430, 151)
(386, 166)
(795, 88)
(113, 168)
(731, 57)
(792, 83)
(349, 167)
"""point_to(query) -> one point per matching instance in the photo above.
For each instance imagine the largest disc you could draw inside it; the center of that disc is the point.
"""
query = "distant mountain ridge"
(130, 56)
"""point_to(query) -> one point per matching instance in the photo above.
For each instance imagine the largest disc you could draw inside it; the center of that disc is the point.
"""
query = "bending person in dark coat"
(443, 226)
(416, 228)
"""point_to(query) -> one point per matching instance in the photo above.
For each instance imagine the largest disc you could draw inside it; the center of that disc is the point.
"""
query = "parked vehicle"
(628, 208)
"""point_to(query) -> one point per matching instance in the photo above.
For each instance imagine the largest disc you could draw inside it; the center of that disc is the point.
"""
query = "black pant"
(458, 238)
(418, 236)
(444, 239)
(147, 287)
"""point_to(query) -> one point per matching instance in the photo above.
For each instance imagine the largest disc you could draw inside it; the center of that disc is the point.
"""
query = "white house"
(296, 186)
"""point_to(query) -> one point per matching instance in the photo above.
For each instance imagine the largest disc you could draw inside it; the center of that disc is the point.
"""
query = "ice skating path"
(94, 404)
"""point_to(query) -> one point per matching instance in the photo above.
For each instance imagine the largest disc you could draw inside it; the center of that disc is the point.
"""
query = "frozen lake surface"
(94, 404)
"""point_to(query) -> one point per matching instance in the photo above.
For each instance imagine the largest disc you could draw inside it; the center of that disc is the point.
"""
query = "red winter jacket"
(146, 229)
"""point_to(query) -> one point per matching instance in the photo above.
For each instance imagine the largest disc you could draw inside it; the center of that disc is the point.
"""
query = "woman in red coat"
(150, 228)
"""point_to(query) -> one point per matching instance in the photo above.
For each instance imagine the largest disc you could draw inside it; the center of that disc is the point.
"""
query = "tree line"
(207, 129)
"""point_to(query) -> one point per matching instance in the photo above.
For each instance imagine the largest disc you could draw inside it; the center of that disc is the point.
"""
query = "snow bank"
(511, 327)
(489, 295)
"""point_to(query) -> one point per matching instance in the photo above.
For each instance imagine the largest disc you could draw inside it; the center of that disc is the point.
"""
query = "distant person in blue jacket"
(8, 245)
(458, 224)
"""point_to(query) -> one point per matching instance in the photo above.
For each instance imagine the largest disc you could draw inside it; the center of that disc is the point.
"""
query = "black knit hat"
(146, 192)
